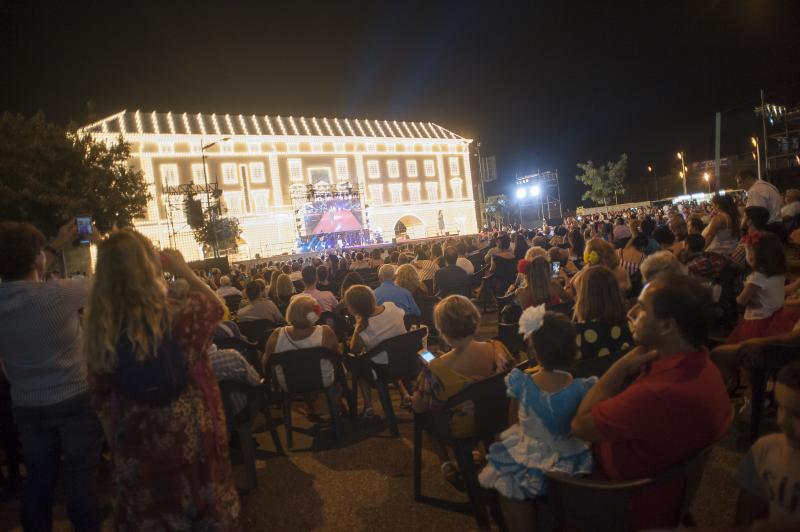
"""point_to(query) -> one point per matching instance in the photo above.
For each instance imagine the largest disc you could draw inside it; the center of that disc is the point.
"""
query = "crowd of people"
(682, 301)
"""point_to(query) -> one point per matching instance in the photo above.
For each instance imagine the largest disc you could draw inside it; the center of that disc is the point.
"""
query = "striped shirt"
(41, 340)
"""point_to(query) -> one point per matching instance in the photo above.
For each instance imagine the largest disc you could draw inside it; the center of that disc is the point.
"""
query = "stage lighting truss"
(542, 192)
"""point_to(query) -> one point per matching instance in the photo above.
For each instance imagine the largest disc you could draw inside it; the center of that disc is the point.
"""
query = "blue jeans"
(69, 429)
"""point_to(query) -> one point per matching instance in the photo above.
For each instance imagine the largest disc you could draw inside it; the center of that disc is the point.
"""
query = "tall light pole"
(754, 142)
(682, 158)
(203, 148)
(652, 174)
(708, 183)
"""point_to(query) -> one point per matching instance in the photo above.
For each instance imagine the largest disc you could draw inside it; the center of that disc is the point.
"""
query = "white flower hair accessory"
(312, 317)
(531, 320)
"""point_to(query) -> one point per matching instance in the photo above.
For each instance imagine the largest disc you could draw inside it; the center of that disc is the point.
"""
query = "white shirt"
(465, 264)
(387, 324)
(791, 210)
(769, 294)
(763, 194)
(325, 299)
(223, 291)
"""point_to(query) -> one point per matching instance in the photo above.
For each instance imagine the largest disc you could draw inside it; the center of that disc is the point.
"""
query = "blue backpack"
(156, 381)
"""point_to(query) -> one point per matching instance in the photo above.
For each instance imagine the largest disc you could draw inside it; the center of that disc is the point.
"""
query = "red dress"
(171, 468)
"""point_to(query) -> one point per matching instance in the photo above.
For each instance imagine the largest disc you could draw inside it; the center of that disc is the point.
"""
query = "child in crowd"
(763, 289)
(769, 475)
(543, 407)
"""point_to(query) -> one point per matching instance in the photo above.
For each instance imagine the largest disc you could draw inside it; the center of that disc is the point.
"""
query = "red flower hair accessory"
(522, 266)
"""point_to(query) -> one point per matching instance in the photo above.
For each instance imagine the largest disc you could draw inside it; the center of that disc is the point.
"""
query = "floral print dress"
(171, 467)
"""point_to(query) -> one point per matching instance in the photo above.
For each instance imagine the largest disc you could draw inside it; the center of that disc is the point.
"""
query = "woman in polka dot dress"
(600, 321)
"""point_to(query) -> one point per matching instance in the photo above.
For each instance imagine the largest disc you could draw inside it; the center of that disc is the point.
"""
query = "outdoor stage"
(366, 247)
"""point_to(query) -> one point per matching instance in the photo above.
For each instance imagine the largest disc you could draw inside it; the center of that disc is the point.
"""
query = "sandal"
(453, 476)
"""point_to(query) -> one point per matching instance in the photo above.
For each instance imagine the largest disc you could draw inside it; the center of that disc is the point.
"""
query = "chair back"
(476, 277)
(502, 301)
(301, 368)
(337, 323)
(565, 308)
(505, 273)
(426, 305)
(600, 505)
(232, 302)
(257, 331)
(248, 350)
(403, 354)
(477, 259)
(429, 285)
(299, 286)
(229, 387)
(490, 409)
(508, 334)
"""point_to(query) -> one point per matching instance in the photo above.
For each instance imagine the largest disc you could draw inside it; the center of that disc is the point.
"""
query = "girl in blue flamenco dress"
(543, 405)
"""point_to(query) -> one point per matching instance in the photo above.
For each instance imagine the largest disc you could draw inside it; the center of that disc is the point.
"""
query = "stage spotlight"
(535, 190)
(521, 192)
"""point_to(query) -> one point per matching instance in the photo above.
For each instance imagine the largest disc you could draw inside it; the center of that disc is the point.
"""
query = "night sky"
(541, 84)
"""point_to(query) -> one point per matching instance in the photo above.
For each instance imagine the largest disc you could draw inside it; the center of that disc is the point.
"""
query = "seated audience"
(229, 364)
(601, 325)
(327, 301)
(389, 291)
(463, 262)
(763, 293)
(374, 324)
(359, 263)
(723, 231)
(324, 281)
(281, 291)
(426, 268)
(598, 251)
(151, 416)
(542, 407)
(407, 277)
(258, 306)
(42, 358)
(502, 267)
(468, 361)
(791, 206)
(540, 286)
(226, 289)
(660, 262)
(451, 280)
(769, 475)
(674, 409)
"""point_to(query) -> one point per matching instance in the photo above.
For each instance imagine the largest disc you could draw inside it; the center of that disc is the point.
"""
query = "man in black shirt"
(451, 279)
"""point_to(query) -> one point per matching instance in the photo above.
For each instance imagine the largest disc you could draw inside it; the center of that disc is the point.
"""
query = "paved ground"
(365, 483)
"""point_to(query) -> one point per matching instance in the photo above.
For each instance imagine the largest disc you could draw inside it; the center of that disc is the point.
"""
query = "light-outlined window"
(316, 147)
(390, 148)
(229, 174)
(456, 185)
(376, 194)
(257, 174)
(194, 147)
(342, 170)
(254, 147)
(260, 201)
(233, 202)
(413, 193)
(198, 177)
(373, 169)
(396, 193)
(339, 147)
(166, 147)
(169, 174)
(295, 169)
(293, 147)
(432, 191)
(372, 147)
(226, 146)
(430, 168)
(455, 169)
(411, 168)
(393, 168)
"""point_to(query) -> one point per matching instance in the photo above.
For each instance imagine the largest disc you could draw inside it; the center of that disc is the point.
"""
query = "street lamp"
(754, 142)
(682, 158)
(652, 174)
(708, 183)
(203, 148)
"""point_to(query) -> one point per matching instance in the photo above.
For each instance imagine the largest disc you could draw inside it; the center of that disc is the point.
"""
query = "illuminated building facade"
(415, 173)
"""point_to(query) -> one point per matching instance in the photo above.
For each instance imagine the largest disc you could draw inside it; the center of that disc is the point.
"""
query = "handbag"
(158, 380)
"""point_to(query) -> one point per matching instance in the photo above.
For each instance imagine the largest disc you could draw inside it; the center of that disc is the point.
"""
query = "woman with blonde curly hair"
(407, 277)
(155, 392)
(281, 291)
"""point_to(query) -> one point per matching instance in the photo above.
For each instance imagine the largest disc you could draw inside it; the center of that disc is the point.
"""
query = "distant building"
(405, 173)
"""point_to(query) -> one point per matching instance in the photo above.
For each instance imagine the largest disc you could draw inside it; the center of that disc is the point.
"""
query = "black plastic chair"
(502, 301)
(232, 302)
(257, 331)
(508, 334)
(565, 308)
(249, 350)
(426, 305)
(302, 374)
(773, 358)
(242, 423)
(491, 418)
(404, 363)
(411, 321)
(602, 505)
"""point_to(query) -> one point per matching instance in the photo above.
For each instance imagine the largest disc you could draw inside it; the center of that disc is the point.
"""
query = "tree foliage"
(48, 175)
(605, 182)
(227, 229)
(497, 208)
